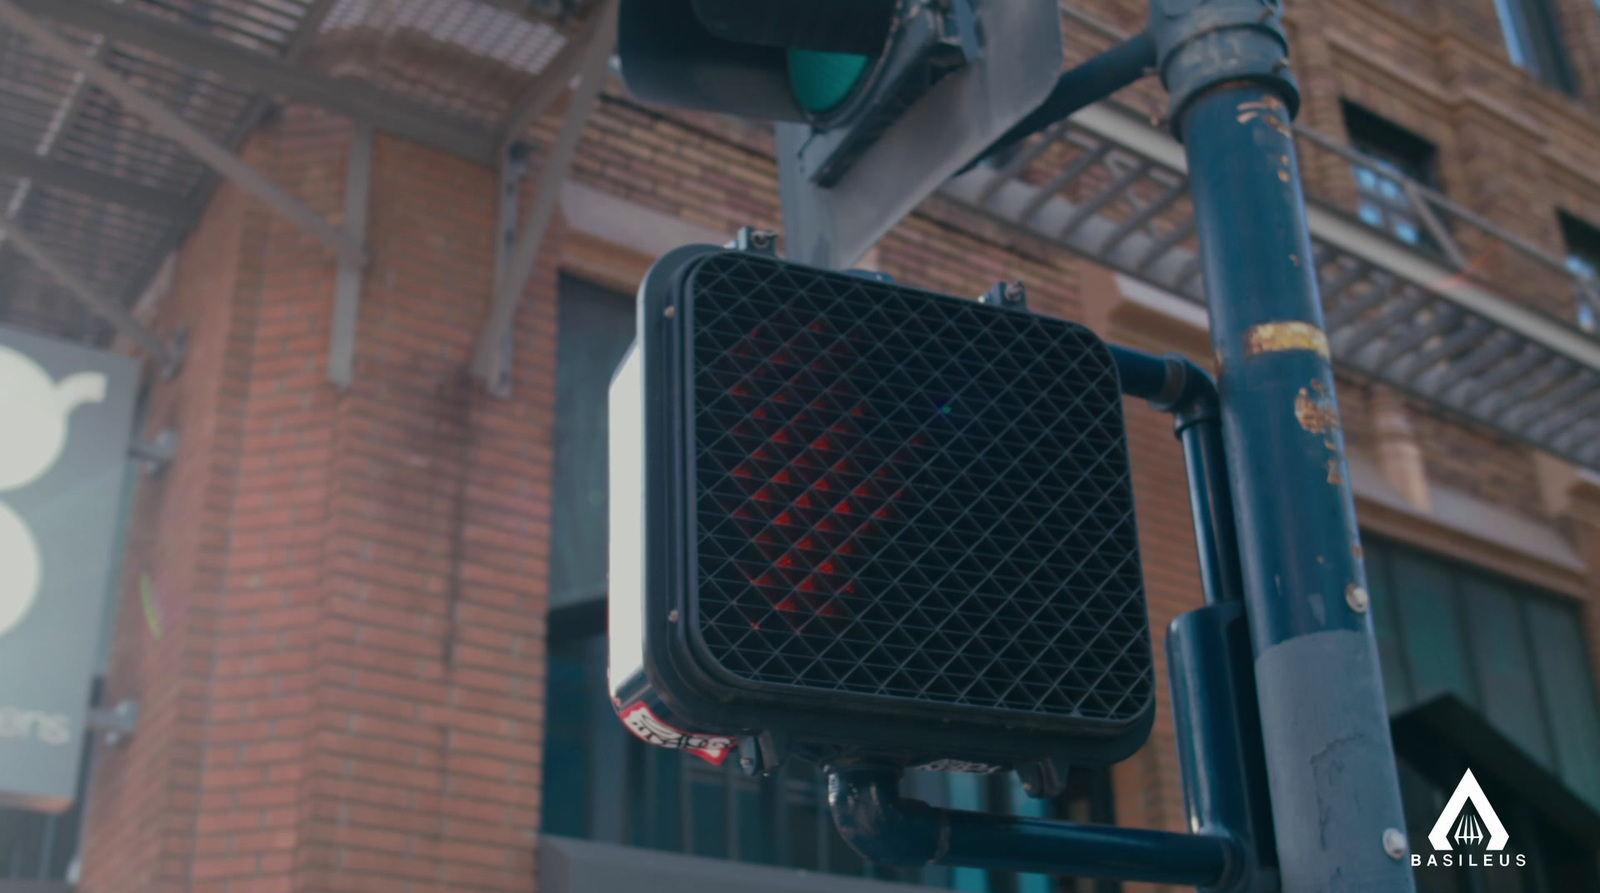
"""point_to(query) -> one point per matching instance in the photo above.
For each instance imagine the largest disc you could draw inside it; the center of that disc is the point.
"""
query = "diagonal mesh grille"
(914, 497)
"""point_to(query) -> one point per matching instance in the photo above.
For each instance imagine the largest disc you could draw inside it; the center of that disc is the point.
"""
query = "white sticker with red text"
(651, 730)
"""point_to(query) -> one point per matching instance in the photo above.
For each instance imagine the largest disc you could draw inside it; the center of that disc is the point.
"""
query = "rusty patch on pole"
(1271, 337)
(1265, 109)
(1316, 414)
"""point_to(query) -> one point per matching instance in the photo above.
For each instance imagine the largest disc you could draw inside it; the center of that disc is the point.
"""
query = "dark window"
(1396, 155)
(1583, 260)
(1491, 675)
(603, 784)
(594, 328)
(1512, 653)
(1533, 41)
(36, 846)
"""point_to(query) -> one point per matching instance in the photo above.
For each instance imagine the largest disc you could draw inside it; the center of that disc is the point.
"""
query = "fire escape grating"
(1114, 191)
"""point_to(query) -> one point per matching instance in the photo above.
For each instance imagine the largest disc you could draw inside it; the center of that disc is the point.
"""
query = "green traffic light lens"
(823, 81)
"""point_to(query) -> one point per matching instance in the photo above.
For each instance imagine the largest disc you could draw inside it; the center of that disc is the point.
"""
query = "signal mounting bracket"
(1007, 296)
(761, 241)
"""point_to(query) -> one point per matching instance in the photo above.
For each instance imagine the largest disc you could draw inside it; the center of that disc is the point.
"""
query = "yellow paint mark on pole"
(1271, 337)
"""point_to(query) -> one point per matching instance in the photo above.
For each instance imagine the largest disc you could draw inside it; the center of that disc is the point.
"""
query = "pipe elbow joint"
(876, 822)
(1190, 394)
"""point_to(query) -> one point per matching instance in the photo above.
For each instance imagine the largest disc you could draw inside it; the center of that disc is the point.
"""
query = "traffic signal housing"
(855, 519)
(879, 102)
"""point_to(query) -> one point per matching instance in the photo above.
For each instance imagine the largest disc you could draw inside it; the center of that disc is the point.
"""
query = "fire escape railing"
(1426, 318)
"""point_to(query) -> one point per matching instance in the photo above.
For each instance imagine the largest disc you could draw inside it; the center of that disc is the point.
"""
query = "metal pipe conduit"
(1178, 385)
(884, 827)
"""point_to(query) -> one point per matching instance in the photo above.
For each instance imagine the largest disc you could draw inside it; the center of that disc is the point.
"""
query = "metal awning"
(103, 185)
(1111, 187)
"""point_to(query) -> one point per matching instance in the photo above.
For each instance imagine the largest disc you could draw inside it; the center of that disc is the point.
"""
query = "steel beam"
(1435, 383)
(1446, 316)
(268, 74)
(66, 115)
(93, 184)
(511, 281)
(1106, 196)
(1430, 220)
(552, 81)
(171, 125)
(1336, 287)
(1167, 241)
(1019, 159)
(1558, 422)
(1468, 335)
(347, 285)
(1144, 215)
(200, 196)
(1549, 405)
(108, 309)
(1072, 171)
(306, 32)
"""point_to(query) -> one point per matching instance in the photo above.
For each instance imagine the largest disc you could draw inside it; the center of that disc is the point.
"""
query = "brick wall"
(346, 693)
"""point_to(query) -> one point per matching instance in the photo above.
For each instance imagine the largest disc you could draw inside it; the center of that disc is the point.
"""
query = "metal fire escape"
(117, 117)
(1108, 185)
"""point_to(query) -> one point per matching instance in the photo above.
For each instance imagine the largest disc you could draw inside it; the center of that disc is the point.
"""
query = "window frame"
(1398, 155)
(1580, 241)
(1532, 34)
(1407, 683)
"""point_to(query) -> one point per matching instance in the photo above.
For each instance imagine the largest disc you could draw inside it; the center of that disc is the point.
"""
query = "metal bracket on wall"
(347, 287)
(492, 359)
(117, 723)
(513, 168)
(156, 454)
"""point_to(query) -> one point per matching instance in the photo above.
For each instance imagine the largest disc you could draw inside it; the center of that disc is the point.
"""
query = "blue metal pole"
(1330, 764)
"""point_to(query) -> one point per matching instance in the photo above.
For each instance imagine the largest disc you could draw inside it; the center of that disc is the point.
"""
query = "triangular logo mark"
(1468, 831)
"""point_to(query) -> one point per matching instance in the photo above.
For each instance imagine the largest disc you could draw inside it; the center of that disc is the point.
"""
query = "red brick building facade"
(334, 602)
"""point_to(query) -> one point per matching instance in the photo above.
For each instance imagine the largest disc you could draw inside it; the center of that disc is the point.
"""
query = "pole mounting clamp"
(1201, 44)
